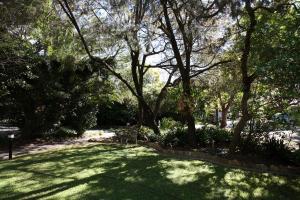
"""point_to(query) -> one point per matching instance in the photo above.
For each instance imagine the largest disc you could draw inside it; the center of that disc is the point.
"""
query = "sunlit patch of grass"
(182, 172)
(132, 172)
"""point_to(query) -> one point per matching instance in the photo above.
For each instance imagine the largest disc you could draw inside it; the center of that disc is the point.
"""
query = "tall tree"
(223, 86)
(249, 10)
(125, 22)
(188, 27)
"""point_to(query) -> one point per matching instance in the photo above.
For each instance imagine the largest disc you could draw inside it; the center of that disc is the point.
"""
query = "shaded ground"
(118, 172)
(40, 145)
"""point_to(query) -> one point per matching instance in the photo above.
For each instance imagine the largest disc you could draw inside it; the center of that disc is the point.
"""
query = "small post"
(10, 145)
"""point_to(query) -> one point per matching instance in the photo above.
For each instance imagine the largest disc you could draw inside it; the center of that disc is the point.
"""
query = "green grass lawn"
(116, 172)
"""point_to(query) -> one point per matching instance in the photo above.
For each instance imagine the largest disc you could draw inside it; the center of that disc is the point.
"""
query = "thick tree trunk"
(149, 119)
(191, 129)
(140, 114)
(188, 111)
(224, 116)
(184, 70)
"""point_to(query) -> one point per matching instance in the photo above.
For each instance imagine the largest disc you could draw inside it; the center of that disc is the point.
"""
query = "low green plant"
(169, 123)
(207, 135)
(64, 132)
(177, 137)
(276, 149)
(273, 147)
(145, 133)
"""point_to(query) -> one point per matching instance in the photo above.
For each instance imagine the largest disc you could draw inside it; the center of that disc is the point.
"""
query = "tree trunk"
(224, 116)
(188, 112)
(247, 80)
(140, 114)
(244, 118)
(191, 129)
(149, 119)
(217, 117)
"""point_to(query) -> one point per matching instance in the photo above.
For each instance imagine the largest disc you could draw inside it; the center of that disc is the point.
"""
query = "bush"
(295, 157)
(272, 147)
(127, 134)
(115, 114)
(169, 123)
(206, 135)
(3, 140)
(82, 117)
(176, 137)
(145, 133)
(64, 132)
(40, 92)
(276, 149)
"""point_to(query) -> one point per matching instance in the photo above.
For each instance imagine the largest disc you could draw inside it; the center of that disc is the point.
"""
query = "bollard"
(10, 145)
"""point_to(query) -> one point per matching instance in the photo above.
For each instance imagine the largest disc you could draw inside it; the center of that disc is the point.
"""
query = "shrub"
(127, 134)
(273, 147)
(169, 123)
(295, 157)
(64, 132)
(276, 149)
(145, 133)
(82, 117)
(39, 93)
(176, 137)
(115, 114)
(206, 135)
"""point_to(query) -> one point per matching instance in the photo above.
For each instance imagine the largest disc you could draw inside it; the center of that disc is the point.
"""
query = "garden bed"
(256, 164)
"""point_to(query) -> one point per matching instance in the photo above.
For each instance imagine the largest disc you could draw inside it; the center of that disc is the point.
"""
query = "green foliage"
(169, 107)
(39, 93)
(268, 138)
(113, 113)
(272, 148)
(276, 149)
(63, 133)
(147, 134)
(277, 57)
(82, 117)
(177, 137)
(169, 123)
(207, 135)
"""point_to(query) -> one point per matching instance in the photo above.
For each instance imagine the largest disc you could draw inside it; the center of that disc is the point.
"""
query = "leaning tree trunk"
(242, 122)
(149, 118)
(247, 80)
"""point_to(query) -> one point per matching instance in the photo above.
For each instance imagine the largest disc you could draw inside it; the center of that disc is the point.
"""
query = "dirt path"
(88, 138)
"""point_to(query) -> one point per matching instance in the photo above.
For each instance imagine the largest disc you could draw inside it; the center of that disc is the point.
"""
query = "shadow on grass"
(116, 172)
